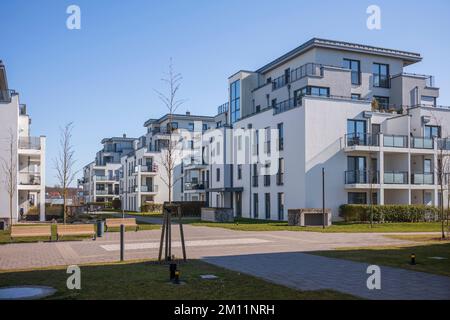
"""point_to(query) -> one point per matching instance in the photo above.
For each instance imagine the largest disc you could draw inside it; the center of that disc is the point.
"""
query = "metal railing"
(5, 95)
(396, 177)
(285, 106)
(422, 143)
(223, 108)
(33, 143)
(422, 178)
(146, 188)
(194, 185)
(362, 139)
(395, 141)
(308, 69)
(361, 177)
(29, 178)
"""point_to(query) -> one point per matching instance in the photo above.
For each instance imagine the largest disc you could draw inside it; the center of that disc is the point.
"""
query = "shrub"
(389, 213)
(116, 204)
(152, 207)
(190, 208)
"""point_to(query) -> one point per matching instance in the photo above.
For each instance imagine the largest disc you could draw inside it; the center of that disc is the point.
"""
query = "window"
(258, 108)
(427, 166)
(280, 174)
(280, 136)
(204, 126)
(354, 66)
(255, 205)
(432, 132)
(172, 126)
(310, 91)
(239, 171)
(357, 198)
(235, 100)
(218, 148)
(356, 132)
(356, 170)
(356, 96)
(239, 143)
(218, 124)
(256, 143)
(274, 103)
(380, 75)
(266, 180)
(182, 185)
(255, 175)
(191, 126)
(280, 206)
(383, 102)
(217, 174)
(267, 205)
(428, 101)
(267, 140)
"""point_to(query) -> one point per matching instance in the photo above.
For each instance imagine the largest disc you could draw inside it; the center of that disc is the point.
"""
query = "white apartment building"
(143, 177)
(100, 180)
(28, 157)
(320, 98)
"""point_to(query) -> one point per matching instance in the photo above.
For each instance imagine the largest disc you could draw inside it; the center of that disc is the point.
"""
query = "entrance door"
(239, 204)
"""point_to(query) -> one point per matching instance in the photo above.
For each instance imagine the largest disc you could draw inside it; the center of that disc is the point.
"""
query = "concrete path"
(277, 256)
(309, 272)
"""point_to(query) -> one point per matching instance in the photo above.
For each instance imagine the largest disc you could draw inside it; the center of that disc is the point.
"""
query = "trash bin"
(100, 228)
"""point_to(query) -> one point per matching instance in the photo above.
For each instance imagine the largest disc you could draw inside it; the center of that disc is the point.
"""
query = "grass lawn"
(144, 280)
(399, 256)
(244, 224)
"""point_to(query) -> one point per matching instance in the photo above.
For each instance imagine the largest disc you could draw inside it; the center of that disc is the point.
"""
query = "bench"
(116, 222)
(28, 231)
(75, 230)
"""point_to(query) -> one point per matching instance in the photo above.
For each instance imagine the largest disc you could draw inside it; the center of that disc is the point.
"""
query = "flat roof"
(178, 117)
(407, 57)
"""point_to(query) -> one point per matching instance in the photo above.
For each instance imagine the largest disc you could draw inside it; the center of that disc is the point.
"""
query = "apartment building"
(347, 108)
(143, 176)
(26, 158)
(101, 177)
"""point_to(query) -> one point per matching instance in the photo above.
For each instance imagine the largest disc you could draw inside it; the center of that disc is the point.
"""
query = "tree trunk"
(11, 212)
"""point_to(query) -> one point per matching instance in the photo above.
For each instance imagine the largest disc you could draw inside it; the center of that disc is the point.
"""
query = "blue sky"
(103, 76)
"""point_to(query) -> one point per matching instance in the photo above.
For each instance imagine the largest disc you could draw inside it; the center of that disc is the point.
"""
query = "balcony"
(29, 178)
(396, 177)
(5, 95)
(362, 139)
(103, 192)
(422, 178)
(146, 188)
(284, 106)
(30, 143)
(222, 108)
(361, 177)
(422, 143)
(105, 178)
(144, 169)
(395, 141)
(194, 185)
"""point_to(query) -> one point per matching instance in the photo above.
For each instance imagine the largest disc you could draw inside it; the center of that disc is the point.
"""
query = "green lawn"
(399, 256)
(244, 224)
(145, 280)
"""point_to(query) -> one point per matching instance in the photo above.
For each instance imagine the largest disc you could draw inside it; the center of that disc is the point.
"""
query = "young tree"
(64, 163)
(9, 166)
(170, 152)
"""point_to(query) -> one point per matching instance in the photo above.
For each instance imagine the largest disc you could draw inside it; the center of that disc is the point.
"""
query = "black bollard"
(172, 269)
(413, 259)
(122, 246)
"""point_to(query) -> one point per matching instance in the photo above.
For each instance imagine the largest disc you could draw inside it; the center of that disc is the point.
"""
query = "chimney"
(188, 113)
(124, 135)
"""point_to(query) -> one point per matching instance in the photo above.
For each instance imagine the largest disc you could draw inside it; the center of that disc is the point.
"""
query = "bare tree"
(64, 163)
(9, 166)
(442, 171)
(170, 152)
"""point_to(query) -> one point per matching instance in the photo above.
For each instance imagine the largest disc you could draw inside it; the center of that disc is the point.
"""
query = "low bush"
(388, 213)
(190, 208)
(152, 207)
(116, 204)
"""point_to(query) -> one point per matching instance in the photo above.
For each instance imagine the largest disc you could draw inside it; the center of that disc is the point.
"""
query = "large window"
(383, 102)
(356, 132)
(280, 136)
(235, 100)
(357, 198)
(280, 206)
(354, 66)
(432, 132)
(255, 205)
(267, 205)
(380, 75)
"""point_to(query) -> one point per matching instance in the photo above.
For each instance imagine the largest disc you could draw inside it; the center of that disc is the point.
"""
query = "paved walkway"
(277, 256)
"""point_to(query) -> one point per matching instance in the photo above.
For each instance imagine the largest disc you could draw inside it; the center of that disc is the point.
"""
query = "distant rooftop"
(118, 139)
(176, 116)
(408, 57)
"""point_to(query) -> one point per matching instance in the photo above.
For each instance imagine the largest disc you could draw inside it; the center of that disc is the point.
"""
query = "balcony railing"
(422, 178)
(103, 192)
(444, 144)
(33, 143)
(395, 141)
(29, 178)
(222, 108)
(422, 143)
(150, 188)
(362, 139)
(309, 69)
(194, 185)
(284, 106)
(361, 177)
(5, 95)
(105, 178)
(142, 168)
(396, 178)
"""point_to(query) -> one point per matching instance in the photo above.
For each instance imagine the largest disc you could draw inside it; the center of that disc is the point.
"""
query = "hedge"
(190, 208)
(116, 204)
(389, 213)
(152, 207)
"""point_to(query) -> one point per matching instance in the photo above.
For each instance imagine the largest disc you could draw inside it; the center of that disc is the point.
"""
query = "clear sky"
(103, 76)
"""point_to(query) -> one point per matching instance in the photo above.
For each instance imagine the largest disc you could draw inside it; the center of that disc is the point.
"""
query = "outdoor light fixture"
(413, 259)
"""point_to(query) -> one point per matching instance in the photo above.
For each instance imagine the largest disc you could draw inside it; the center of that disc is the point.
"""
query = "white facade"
(28, 157)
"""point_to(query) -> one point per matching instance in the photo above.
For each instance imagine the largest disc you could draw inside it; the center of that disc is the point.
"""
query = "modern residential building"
(347, 108)
(101, 177)
(143, 176)
(26, 158)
